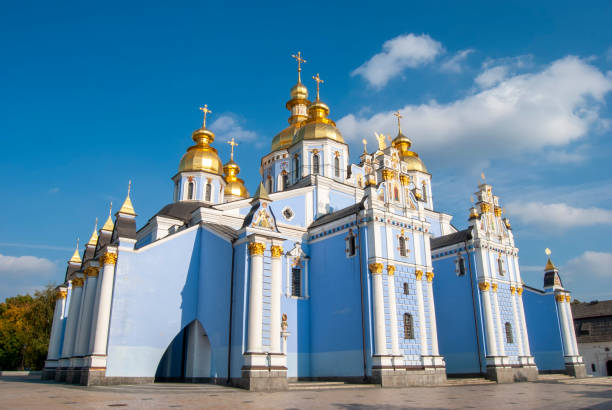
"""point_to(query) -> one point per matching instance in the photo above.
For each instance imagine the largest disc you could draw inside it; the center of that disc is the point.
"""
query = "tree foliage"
(25, 327)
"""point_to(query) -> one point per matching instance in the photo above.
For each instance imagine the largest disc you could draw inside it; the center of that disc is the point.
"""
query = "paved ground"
(549, 393)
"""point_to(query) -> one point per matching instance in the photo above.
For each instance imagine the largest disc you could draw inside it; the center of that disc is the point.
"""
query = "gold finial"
(76, 258)
(399, 125)
(299, 60)
(482, 175)
(547, 252)
(381, 141)
(549, 264)
(206, 111)
(365, 145)
(233, 143)
(319, 81)
(127, 207)
(93, 240)
(108, 225)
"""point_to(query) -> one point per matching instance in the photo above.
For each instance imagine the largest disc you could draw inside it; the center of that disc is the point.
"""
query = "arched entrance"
(187, 358)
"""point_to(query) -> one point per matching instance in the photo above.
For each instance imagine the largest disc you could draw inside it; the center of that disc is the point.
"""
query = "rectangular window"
(296, 282)
(461, 266)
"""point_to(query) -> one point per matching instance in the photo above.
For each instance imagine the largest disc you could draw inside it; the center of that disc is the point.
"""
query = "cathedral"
(331, 270)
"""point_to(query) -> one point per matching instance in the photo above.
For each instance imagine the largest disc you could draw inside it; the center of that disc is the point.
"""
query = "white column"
(380, 336)
(108, 261)
(82, 343)
(521, 312)
(565, 332)
(498, 323)
(432, 315)
(94, 315)
(73, 314)
(571, 325)
(256, 250)
(392, 310)
(519, 328)
(275, 300)
(489, 329)
(421, 307)
(56, 328)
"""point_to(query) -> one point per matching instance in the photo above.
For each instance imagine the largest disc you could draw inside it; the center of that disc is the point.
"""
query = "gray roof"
(592, 309)
(222, 229)
(451, 239)
(593, 321)
(181, 210)
(349, 210)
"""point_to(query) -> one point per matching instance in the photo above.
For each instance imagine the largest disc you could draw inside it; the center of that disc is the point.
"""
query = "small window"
(208, 195)
(337, 167)
(509, 336)
(296, 282)
(461, 263)
(406, 290)
(408, 326)
(424, 191)
(593, 367)
(315, 164)
(500, 266)
(351, 244)
(285, 180)
(402, 246)
(190, 190)
(395, 193)
(296, 168)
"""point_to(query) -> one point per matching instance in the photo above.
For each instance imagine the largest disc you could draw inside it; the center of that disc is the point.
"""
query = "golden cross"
(482, 175)
(96, 228)
(299, 60)
(365, 145)
(129, 186)
(399, 116)
(205, 110)
(547, 251)
(319, 81)
(233, 143)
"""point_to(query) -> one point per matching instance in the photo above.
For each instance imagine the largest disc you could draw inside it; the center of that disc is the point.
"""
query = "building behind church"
(332, 270)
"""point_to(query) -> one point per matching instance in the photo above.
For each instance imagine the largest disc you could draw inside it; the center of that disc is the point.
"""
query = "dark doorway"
(609, 367)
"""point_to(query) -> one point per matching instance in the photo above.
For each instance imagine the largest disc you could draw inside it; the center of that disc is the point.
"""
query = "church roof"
(222, 229)
(451, 239)
(349, 210)
(592, 309)
(181, 210)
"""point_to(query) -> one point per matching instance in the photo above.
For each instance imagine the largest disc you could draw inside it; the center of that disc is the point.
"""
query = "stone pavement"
(549, 393)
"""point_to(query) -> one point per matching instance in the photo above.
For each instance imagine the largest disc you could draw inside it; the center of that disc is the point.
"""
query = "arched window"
(296, 282)
(461, 263)
(406, 290)
(315, 163)
(500, 265)
(402, 246)
(351, 244)
(509, 337)
(337, 167)
(424, 191)
(190, 190)
(296, 168)
(269, 184)
(208, 194)
(285, 180)
(408, 326)
(395, 193)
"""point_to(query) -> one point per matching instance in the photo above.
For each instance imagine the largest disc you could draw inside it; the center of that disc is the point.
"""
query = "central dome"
(201, 156)
(318, 126)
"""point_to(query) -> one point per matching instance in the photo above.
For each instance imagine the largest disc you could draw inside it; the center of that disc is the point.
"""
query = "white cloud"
(558, 215)
(455, 63)
(399, 53)
(525, 112)
(24, 274)
(494, 71)
(588, 276)
(24, 265)
(227, 126)
(590, 264)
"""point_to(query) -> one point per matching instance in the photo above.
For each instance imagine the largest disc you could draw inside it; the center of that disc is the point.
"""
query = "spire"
(76, 258)
(108, 225)
(399, 124)
(127, 207)
(319, 81)
(299, 60)
(233, 143)
(261, 193)
(206, 111)
(94, 236)
(549, 265)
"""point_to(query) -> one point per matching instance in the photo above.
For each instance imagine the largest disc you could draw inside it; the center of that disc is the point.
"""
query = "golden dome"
(299, 92)
(283, 139)
(234, 185)
(402, 144)
(76, 258)
(201, 156)
(318, 126)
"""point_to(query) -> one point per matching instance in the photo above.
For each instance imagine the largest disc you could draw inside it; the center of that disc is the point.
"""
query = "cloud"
(521, 113)
(494, 71)
(24, 274)
(54, 190)
(454, 64)
(34, 246)
(589, 275)
(227, 126)
(590, 263)
(399, 53)
(558, 215)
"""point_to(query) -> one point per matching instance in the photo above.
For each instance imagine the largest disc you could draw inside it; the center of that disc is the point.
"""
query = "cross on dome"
(233, 143)
(206, 111)
(299, 60)
(399, 117)
(319, 81)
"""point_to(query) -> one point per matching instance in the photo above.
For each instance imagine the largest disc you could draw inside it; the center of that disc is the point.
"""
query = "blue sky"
(93, 95)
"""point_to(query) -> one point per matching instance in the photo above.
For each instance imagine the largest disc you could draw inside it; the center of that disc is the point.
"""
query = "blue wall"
(544, 332)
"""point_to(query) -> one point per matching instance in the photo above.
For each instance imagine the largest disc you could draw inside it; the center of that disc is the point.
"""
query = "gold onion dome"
(201, 156)
(234, 185)
(76, 258)
(127, 208)
(299, 96)
(402, 144)
(109, 225)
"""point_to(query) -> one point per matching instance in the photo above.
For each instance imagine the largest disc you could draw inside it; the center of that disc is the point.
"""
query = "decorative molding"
(387, 174)
(390, 270)
(512, 289)
(108, 259)
(568, 298)
(418, 274)
(519, 291)
(276, 251)
(376, 268)
(498, 211)
(483, 286)
(61, 294)
(430, 276)
(494, 287)
(92, 272)
(404, 179)
(256, 248)
(560, 298)
(77, 282)
(485, 207)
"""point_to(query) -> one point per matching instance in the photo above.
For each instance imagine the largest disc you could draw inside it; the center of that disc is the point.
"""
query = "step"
(329, 385)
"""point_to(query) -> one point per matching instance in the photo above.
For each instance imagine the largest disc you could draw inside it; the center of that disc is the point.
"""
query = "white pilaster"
(565, 332)
(380, 337)
(521, 312)
(490, 330)
(73, 313)
(56, 328)
(256, 250)
(432, 315)
(519, 327)
(275, 300)
(82, 343)
(395, 350)
(421, 307)
(498, 322)
(570, 321)
(108, 262)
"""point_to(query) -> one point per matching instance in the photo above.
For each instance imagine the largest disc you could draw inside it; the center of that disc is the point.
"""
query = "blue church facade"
(330, 271)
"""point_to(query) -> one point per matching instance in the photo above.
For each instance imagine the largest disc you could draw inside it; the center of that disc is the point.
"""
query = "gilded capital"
(376, 268)
(519, 291)
(387, 174)
(418, 274)
(494, 287)
(498, 211)
(77, 282)
(390, 270)
(483, 286)
(92, 272)
(512, 289)
(430, 276)
(568, 298)
(108, 259)
(61, 294)
(404, 179)
(485, 207)
(276, 251)
(560, 298)
(256, 248)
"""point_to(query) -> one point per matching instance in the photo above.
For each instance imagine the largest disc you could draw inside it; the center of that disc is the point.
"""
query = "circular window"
(288, 213)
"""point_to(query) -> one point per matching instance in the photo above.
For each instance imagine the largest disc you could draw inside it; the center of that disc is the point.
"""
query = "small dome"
(402, 144)
(234, 186)
(299, 92)
(201, 156)
(318, 126)
(414, 163)
(283, 139)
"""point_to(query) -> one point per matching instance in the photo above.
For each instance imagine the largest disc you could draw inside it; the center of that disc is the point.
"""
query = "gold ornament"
(418, 274)
(61, 294)
(494, 287)
(405, 179)
(256, 248)
(77, 282)
(483, 286)
(108, 259)
(387, 174)
(512, 289)
(91, 272)
(519, 291)
(376, 268)
(560, 298)
(568, 298)
(276, 251)
(430, 276)
(390, 270)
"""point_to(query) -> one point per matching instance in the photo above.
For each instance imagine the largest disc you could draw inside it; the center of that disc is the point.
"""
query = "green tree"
(25, 327)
